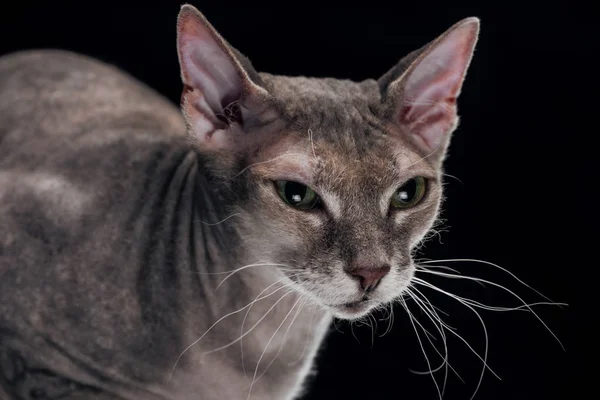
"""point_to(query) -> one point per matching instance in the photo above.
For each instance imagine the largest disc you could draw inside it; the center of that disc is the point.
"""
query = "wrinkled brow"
(291, 166)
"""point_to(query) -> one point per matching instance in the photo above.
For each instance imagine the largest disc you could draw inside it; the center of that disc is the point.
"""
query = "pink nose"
(370, 276)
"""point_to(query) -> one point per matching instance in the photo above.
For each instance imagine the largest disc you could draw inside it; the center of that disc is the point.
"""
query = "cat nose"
(370, 277)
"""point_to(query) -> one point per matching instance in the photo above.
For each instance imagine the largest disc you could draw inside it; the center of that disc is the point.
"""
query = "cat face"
(341, 206)
(333, 181)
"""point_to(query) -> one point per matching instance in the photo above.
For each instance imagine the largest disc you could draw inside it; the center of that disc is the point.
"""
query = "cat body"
(102, 200)
(149, 255)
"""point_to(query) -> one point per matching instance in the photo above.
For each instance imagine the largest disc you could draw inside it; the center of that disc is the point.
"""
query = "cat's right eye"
(297, 195)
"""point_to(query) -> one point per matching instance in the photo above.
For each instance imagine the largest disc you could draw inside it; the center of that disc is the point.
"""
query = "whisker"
(433, 317)
(253, 326)
(428, 334)
(390, 321)
(443, 325)
(283, 339)
(249, 266)
(523, 307)
(437, 309)
(352, 330)
(308, 326)
(427, 269)
(336, 327)
(446, 275)
(472, 260)
(431, 286)
(444, 357)
(426, 157)
(219, 320)
(267, 346)
(242, 334)
(244, 321)
(412, 321)
(312, 144)
(216, 223)
(454, 177)
(373, 329)
(438, 266)
(484, 358)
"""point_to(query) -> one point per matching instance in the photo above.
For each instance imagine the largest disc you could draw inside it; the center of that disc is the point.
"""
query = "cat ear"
(424, 87)
(220, 85)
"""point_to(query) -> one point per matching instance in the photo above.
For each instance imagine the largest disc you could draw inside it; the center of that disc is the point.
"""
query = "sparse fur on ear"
(220, 85)
(421, 91)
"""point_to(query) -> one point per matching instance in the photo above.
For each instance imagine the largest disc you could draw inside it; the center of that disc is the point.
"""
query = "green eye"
(409, 194)
(297, 195)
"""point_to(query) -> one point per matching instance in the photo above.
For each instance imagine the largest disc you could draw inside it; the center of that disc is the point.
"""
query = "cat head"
(334, 182)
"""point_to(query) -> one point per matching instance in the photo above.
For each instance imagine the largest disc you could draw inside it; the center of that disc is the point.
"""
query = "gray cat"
(148, 256)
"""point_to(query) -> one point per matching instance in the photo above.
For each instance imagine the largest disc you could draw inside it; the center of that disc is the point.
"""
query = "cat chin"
(354, 310)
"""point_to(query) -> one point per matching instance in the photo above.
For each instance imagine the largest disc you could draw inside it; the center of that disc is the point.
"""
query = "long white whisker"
(484, 358)
(253, 326)
(447, 275)
(472, 260)
(249, 266)
(428, 334)
(267, 346)
(390, 320)
(438, 266)
(411, 318)
(215, 324)
(429, 267)
(252, 265)
(242, 334)
(308, 326)
(432, 315)
(287, 331)
(352, 330)
(500, 309)
(443, 357)
(460, 300)
(443, 325)
(373, 329)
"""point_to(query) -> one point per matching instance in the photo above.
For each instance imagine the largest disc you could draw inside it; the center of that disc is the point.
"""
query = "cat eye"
(409, 194)
(297, 195)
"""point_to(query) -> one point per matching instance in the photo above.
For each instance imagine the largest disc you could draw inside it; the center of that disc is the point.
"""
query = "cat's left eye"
(409, 194)
(297, 195)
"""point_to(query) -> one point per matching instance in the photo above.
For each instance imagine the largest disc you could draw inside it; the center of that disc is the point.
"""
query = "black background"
(522, 157)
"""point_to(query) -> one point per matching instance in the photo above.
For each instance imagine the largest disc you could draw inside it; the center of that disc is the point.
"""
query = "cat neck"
(241, 305)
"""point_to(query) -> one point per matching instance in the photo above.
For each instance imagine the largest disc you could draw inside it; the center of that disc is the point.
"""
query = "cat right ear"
(220, 92)
(421, 91)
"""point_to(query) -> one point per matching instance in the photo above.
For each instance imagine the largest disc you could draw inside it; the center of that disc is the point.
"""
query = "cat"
(151, 252)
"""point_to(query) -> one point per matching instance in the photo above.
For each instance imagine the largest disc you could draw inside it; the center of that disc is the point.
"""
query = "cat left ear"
(220, 86)
(423, 96)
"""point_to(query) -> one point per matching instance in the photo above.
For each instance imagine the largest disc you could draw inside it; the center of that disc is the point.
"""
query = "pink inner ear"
(428, 107)
(205, 65)
(211, 77)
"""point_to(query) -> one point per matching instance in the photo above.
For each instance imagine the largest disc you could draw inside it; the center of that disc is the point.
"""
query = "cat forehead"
(323, 101)
(340, 117)
(335, 135)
